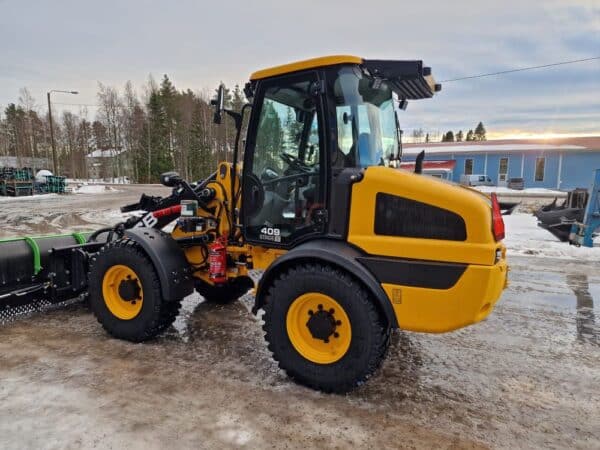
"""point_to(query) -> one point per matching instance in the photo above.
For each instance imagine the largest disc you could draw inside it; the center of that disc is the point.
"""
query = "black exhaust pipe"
(419, 162)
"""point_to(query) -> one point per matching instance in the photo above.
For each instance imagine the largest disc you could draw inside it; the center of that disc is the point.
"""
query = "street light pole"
(54, 158)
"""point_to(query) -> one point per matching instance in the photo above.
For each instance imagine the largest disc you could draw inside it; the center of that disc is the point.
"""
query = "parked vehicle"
(516, 183)
(476, 180)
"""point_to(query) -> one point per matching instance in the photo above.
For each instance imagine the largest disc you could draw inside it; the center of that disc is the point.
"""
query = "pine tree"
(270, 138)
(469, 135)
(158, 144)
(480, 132)
(448, 137)
(459, 136)
(427, 137)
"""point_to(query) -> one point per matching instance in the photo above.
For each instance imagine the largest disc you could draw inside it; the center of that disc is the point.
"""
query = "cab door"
(283, 182)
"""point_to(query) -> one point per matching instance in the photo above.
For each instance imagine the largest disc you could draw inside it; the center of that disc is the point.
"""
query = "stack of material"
(16, 182)
(56, 184)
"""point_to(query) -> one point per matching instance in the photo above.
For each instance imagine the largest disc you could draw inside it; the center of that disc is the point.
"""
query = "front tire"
(323, 328)
(125, 294)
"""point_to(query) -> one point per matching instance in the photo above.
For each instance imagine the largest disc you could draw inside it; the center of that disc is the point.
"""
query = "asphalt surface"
(527, 377)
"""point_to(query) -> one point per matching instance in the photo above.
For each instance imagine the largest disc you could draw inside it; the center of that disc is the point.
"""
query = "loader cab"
(314, 126)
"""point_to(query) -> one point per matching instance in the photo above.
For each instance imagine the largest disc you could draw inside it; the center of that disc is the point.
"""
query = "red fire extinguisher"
(217, 260)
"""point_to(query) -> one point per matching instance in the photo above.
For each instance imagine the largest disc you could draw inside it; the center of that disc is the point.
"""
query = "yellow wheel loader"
(339, 244)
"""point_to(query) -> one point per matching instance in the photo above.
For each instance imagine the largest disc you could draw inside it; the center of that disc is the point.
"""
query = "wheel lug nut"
(320, 307)
(310, 312)
(336, 335)
(331, 311)
(133, 302)
(326, 341)
(338, 322)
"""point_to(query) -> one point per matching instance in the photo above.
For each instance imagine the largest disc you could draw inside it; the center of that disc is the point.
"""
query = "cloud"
(70, 44)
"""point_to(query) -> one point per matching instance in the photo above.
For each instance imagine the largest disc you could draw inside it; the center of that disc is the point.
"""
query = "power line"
(561, 63)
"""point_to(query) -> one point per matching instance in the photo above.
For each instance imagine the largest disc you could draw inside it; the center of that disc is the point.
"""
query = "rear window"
(481, 178)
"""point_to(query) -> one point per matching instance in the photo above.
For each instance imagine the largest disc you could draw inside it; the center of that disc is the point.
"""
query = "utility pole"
(54, 158)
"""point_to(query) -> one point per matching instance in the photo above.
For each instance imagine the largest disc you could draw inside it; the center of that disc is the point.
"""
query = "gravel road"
(527, 377)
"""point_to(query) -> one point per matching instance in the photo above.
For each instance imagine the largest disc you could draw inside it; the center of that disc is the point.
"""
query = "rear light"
(497, 221)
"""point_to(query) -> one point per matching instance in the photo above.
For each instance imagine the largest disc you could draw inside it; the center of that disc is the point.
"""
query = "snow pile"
(27, 197)
(93, 189)
(120, 180)
(524, 237)
(40, 177)
(528, 191)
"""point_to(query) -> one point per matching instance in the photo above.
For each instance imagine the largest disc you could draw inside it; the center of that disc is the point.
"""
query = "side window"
(285, 194)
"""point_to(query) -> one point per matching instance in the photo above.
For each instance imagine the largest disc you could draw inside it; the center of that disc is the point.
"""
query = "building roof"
(432, 166)
(586, 143)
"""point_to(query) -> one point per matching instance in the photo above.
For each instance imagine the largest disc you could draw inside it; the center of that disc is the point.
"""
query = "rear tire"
(339, 358)
(145, 314)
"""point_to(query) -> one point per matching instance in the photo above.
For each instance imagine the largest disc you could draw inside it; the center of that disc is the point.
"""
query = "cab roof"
(305, 64)
(408, 78)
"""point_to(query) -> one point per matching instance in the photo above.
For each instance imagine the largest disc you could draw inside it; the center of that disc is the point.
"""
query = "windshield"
(365, 115)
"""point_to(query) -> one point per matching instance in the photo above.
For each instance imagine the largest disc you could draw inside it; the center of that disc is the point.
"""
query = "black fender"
(336, 253)
(168, 259)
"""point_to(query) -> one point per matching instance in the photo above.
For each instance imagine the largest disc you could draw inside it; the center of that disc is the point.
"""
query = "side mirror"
(219, 104)
(170, 179)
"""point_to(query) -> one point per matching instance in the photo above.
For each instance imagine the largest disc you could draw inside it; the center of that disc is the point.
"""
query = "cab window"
(284, 168)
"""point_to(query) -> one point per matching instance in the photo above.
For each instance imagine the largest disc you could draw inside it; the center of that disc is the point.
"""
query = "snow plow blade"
(47, 269)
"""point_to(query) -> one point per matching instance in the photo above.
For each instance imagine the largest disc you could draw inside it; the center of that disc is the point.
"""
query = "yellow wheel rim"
(122, 292)
(318, 328)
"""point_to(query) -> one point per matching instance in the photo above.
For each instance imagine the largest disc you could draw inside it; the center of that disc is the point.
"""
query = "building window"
(468, 167)
(503, 169)
(540, 164)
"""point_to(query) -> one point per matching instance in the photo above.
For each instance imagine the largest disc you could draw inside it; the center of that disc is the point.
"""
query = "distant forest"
(419, 136)
(161, 130)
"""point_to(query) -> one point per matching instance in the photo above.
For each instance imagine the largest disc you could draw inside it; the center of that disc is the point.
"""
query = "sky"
(74, 45)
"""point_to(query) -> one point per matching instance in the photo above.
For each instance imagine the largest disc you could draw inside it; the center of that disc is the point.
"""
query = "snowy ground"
(27, 198)
(93, 189)
(527, 377)
(524, 237)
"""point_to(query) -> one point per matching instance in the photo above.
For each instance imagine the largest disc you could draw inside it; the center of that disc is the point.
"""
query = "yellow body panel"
(304, 65)
(472, 207)
(439, 310)
(472, 298)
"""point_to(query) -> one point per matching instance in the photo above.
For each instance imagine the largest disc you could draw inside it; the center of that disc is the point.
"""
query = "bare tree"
(109, 113)
(27, 102)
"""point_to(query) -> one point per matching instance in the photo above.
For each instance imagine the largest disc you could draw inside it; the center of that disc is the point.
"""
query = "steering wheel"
(294, 162)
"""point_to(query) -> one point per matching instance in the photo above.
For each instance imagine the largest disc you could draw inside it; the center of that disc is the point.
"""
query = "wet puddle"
(573, 294)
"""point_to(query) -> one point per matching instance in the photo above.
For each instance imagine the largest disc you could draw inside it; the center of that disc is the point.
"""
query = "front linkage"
(53, 269)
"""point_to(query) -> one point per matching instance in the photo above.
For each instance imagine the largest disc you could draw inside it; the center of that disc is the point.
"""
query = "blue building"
(561, 164)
